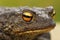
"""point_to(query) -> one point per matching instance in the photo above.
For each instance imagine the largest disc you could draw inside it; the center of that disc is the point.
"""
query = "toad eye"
(53, 14)
(27, 16)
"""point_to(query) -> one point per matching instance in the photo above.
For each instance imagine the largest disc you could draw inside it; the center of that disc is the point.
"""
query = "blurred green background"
(31, 3)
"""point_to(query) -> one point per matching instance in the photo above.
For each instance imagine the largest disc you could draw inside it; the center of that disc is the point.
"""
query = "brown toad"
(25, 23)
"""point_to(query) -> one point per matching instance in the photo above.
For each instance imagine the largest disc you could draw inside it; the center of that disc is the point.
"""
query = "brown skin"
(14, 27)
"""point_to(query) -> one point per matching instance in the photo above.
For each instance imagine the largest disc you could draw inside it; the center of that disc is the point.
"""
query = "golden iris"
(27, 16)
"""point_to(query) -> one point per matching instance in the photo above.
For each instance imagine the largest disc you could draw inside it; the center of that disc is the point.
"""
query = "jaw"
(39, 31)
(32, 34)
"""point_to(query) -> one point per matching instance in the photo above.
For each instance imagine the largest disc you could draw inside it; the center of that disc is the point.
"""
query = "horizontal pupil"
(53, 14)
(27, 16)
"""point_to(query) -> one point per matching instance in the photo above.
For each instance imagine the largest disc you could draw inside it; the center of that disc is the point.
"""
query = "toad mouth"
(37, 31)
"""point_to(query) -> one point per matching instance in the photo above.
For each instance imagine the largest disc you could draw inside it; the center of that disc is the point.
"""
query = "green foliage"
(31, 3)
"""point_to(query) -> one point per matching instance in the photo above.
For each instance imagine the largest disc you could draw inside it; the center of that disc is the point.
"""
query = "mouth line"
(37, 31)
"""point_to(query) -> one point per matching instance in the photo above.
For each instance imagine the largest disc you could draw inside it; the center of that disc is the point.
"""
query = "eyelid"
(28, 13)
